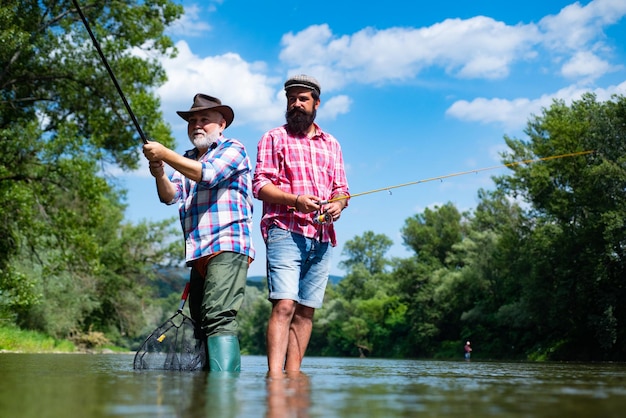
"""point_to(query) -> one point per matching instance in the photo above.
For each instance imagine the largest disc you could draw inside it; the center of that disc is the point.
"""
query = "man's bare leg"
(278, 334)
(299, 336)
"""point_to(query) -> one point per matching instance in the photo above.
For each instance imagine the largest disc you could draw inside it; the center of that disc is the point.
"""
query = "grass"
(17, 340)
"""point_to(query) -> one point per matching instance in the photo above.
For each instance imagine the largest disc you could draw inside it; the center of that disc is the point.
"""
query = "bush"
(90, 340)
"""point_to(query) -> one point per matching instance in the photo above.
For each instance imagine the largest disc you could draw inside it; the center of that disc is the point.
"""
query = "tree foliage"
(431, 234)
(62, 125)
(575, 233)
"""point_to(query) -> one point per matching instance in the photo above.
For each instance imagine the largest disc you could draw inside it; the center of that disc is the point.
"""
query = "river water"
(105, 385)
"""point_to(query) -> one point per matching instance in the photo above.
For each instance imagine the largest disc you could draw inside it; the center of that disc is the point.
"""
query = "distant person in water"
(468, 350)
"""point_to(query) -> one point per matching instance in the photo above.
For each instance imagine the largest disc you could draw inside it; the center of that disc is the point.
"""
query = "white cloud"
(478, 47)
(481, 47)
(514, 113)
(227, 77)
(190, 24)
(585, 64)
(335, 106)
(511, 113)
(576, 26)
(260, 98)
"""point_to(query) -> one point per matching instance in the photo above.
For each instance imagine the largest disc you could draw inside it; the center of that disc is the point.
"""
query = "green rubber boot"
(224, 353)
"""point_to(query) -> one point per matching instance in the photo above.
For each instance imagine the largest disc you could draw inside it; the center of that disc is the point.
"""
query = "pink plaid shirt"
(299, 165)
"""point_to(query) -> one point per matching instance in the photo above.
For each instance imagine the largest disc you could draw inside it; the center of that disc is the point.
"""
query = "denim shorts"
(297, 267)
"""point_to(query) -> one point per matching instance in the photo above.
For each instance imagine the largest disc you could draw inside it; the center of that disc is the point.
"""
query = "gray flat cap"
(305, 81)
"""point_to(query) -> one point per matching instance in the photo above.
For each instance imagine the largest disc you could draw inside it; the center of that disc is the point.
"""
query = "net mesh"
(172, 346)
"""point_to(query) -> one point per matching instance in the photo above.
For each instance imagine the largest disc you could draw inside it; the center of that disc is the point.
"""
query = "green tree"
(431, 235)
(479, 301)
(62, 124)
(362, 313)
(415, 285)
(368, 250)
(575, 237)
(130, 262)
(365, 265)
(433, 232)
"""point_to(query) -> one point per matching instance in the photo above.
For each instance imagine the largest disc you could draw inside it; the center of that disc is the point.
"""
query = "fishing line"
(553, 157)
(110, 71)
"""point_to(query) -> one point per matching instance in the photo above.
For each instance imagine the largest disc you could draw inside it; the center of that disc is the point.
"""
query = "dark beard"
(298, 122)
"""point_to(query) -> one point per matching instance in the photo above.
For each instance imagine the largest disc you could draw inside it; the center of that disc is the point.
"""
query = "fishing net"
(173, 345)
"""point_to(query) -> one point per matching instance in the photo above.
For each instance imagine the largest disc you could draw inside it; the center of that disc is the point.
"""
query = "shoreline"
(106, 351)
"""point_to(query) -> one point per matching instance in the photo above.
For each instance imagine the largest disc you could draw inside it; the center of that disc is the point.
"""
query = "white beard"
(202, 140)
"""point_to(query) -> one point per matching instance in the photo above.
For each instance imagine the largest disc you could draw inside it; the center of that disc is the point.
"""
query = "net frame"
(173, 345)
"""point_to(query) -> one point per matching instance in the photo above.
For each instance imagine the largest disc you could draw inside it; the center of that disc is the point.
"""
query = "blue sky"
(412, 90)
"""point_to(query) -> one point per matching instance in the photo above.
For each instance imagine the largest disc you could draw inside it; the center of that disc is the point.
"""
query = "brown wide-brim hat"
(205, 102)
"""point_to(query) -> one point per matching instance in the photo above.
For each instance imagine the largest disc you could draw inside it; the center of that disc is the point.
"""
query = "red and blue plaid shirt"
(216, 213)
(299, 165)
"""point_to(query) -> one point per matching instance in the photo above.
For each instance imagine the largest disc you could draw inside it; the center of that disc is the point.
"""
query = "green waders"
(215, 299)
(224, 354)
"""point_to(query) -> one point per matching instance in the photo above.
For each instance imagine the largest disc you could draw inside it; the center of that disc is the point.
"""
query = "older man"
(212, 184)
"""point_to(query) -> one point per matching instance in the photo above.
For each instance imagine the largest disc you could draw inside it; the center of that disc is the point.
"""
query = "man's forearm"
(189, 168)
(272, 194)
(165, 189)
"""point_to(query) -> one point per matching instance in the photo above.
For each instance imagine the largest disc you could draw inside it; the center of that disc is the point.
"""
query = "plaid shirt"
(216, 213)
(299, 165)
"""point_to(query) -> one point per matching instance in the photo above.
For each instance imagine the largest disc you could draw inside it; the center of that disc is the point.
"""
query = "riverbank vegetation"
(17, 340)
(536, 271)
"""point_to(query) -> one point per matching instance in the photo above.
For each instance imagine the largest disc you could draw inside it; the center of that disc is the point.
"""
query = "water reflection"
(60, 385)
(213, 394)
(288, 395)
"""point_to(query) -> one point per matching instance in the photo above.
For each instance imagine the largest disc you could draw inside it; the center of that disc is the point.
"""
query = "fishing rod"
(110, 71)
(553, 157)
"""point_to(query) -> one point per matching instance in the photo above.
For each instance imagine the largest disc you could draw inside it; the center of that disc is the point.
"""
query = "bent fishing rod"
(110, 71)
(475, 171)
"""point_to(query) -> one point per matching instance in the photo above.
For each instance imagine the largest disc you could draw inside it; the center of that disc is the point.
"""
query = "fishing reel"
(323, 218)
